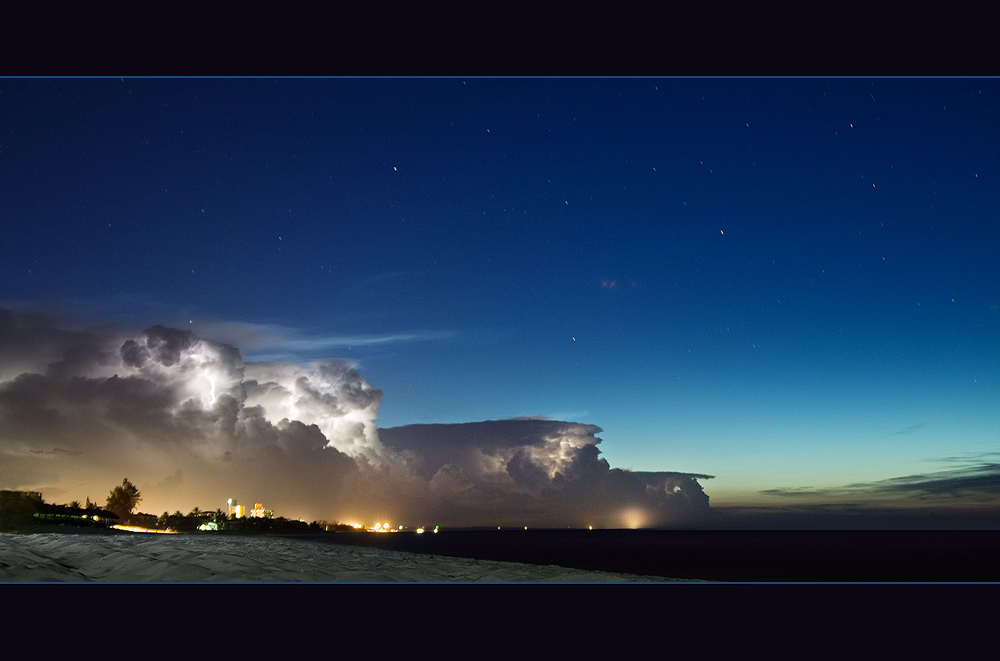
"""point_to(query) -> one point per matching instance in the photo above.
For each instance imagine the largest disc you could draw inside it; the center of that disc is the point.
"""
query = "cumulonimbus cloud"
(192, 424)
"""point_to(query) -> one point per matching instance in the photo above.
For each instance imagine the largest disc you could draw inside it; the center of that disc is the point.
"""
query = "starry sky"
(791, 285)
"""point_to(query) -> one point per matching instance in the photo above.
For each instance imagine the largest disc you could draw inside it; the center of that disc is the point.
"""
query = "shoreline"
(136, 557)
(504, 557)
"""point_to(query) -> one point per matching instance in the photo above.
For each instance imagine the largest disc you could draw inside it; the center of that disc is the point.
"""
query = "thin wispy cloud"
(263, 342)
(316, 344)
(968, 459)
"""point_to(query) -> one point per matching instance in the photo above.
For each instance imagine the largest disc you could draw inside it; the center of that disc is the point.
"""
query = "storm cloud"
(191, 424)
(544, 472)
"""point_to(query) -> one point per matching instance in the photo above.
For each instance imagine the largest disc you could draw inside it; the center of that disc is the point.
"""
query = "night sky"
(791, 285)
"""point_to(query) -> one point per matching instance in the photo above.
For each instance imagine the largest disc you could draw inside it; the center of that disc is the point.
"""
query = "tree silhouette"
(123, 499)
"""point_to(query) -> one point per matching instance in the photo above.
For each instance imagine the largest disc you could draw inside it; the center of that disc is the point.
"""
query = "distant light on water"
(634, 518)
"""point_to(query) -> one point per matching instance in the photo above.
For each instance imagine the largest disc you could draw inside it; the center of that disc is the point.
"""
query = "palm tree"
(123, 499)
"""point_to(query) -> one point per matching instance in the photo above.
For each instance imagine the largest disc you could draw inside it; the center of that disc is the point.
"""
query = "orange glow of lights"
(141, 529)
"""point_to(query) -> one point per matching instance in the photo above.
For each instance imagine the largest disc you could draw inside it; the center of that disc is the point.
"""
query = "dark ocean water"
(721, 555)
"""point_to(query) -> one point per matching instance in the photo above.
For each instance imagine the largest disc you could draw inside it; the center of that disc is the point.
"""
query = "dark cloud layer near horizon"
(191, 424)
(976, 483)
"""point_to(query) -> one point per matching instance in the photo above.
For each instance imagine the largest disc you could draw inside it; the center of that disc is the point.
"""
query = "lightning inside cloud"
(192, 423)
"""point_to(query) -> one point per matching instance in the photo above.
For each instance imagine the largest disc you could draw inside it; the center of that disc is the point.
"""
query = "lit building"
(259, 511)
(235, 510)
(238, 511)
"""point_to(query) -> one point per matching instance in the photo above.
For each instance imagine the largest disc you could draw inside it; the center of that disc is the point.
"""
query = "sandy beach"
(63, 557)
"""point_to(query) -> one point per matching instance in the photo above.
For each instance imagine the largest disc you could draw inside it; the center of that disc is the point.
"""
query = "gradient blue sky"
(785, 283)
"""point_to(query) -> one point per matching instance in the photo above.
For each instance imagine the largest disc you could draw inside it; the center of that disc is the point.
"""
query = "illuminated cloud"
(192, 424)
(331, 395)
(539, 472)
(177, 415)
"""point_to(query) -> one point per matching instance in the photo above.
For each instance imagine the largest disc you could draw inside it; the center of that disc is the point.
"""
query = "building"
(259, 511)
(238, 511)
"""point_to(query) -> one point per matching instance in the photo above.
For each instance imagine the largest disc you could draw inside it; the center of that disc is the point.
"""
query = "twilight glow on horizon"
(608, 302)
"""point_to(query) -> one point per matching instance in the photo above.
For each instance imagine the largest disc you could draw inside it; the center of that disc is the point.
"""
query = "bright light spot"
(141, 529)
